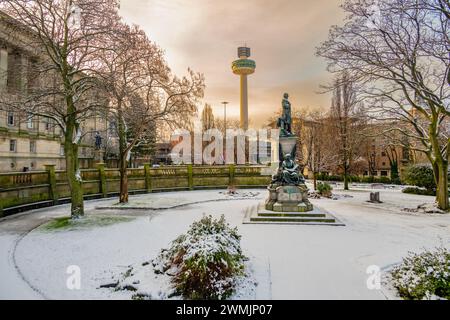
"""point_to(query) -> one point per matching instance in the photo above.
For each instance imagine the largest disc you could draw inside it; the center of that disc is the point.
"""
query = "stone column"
(232, 169)
(148, 181)
(275, 153)
(190, 171)
(50, 168)
(24, 73)
(3, 68)
(102, 177)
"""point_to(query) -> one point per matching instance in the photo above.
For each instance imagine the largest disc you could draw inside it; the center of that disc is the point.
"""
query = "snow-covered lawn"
(287, 261)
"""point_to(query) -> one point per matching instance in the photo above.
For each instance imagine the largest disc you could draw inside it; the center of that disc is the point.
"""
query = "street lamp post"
(224, 127)
(225, 116)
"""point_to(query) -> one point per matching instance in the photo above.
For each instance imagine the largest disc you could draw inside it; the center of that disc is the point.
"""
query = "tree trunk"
(123, 161)
(73, 171)
(346, 178)
(395, 176)
(315, 181)
(440, 168)
(123, 181)
(442, 185)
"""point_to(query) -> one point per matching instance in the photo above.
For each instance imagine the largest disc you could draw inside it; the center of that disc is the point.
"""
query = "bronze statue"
(288, 173)
(285, 121)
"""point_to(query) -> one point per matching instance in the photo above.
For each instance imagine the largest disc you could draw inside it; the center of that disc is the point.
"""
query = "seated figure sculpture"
(288, 173)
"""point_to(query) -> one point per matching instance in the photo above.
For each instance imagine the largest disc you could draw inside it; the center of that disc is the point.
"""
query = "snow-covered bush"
(205, 262)
(324, 189)
(424, 276)
(421, 175)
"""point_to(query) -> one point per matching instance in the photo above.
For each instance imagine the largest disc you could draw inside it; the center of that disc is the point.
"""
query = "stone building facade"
(28, 143)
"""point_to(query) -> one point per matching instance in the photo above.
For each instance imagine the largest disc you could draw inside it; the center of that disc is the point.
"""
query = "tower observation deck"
(244, 67)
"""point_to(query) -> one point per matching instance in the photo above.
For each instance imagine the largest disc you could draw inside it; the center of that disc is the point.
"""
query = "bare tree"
(64, 34)
(232, 123)
(207, 118)
(143, 93)
(399, 51)
(347, 120)
(317, 143)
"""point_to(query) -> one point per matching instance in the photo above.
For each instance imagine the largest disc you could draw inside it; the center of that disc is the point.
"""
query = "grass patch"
(67, 223)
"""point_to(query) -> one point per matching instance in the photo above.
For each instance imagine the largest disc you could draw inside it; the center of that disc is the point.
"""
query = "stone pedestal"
(288, 199)
(287, 145)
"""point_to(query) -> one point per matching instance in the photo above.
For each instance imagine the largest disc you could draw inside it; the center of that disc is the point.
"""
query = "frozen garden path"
(288, 261)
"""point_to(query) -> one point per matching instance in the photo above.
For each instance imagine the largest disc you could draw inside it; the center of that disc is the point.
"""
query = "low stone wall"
(28, 190)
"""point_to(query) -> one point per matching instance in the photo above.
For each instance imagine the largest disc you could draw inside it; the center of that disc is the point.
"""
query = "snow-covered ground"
(288, 261)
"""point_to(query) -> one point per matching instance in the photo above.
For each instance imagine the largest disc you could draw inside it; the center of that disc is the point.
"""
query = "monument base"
(318, 216)
(288, 199)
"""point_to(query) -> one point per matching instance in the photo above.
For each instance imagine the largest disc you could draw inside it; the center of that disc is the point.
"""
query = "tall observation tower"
(243, 67)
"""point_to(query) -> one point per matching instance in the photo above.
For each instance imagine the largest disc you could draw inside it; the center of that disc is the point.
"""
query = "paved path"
(13, 228)
(303, 262)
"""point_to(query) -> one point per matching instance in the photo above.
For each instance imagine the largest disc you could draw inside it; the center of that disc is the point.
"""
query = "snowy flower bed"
(206, 262)
(423, 276)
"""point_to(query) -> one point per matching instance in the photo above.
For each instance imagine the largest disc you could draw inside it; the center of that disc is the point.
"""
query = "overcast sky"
(283, 34)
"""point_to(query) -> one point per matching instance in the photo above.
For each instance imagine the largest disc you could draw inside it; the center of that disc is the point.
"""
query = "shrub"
(373, 179)
(369, 179)
(419, 191)
(206, 261)
(424, 275)
(324, 189)
(336, 178)
(396, 180)
(420, 176)
(327, 177)
(383, 180)
(354, 178)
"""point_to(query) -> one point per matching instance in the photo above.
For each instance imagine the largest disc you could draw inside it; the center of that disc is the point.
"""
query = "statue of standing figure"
(285, 121)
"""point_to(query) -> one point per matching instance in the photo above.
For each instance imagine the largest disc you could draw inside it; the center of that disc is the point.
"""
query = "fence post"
(50, 168)
(148, 179)
(232, 169)
(102, 178)
(190, 171)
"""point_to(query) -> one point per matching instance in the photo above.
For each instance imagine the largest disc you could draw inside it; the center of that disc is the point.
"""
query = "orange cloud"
(283, 35)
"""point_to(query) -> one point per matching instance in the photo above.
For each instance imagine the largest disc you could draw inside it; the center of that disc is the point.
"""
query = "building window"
(10, 119)
(30, 124)
(13, 145)
(33, 146)
(383, 154)
(61, 151)
(49, 124)
(384, 173)
(112, 126)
